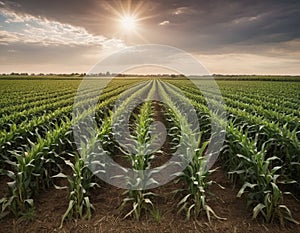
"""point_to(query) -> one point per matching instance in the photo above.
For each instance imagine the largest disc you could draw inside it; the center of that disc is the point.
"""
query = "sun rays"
(129, 20)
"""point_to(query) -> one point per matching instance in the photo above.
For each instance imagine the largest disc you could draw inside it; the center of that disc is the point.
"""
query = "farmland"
(46, 183)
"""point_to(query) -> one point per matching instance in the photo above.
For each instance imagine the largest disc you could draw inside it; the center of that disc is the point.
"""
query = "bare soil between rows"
(51, 205)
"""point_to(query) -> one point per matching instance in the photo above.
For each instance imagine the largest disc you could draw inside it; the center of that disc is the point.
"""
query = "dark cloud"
(214, 25)
(221, 22)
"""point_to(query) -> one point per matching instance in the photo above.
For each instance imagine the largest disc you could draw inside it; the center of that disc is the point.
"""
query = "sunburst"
(129, 18)
(128, 22)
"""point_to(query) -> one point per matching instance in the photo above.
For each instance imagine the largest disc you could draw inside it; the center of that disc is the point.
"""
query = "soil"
(51, 205)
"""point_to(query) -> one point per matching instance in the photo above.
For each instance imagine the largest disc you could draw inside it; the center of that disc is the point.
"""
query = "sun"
(128, 22)
(130, 19)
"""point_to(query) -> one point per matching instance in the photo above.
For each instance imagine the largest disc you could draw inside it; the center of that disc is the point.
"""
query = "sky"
(226, 37)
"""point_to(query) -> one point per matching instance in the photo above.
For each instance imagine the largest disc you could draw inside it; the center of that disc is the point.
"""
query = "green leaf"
(246, 185)
(237, 172)
(148, 201)
(29, 201)
(273, 158)
(135, 205)
(210, 210)
(151, 181)
(289, 216)
(59, 175)
(257, 209)
(60, 187)
(71, 204)
(244, 157)
(88, 207)
(183, 200)
(188, 213)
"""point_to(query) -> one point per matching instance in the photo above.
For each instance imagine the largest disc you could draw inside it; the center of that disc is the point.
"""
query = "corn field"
(260, 156)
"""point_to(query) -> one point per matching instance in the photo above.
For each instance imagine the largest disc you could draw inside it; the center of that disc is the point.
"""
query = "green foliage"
(260, 177)
(195, 176)
(80, 184)
(261, 153)
(137, 196)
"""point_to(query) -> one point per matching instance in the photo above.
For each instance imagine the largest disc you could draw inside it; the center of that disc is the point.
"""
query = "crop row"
(260, 155)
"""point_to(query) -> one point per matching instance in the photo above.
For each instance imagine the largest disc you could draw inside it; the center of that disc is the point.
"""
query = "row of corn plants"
(42, 107)
(195, 176)
(248, 162)
(28, 101)
(30, 166)
(288, 98)
(239, 102)
(18, 134)
(254, 103)
(140, 158)
(285, 141)
(86, 164)
(30, 171)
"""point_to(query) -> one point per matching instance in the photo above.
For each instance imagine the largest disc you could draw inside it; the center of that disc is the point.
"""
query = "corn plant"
(283, 131)
(138, 153)
(33, 168)
(83, 178)
(30, 171)
(194, 175)
(198, 182)
(140, 160)
(80, 184)
(260, 179)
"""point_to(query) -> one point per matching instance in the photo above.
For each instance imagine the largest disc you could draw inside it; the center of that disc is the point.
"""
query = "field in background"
(260, 158)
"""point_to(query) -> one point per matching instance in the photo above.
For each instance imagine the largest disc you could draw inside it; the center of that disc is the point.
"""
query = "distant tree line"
(108, 74)
(105, 74)
(44, 74)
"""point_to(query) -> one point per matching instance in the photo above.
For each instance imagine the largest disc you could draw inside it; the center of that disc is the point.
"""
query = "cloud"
(163, 23)
(244, 20)
(34, 43)
(182, 10)
(39, 30)
(13, 17)
(221, 31)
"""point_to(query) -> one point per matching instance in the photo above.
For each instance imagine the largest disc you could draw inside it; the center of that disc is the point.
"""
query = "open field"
(45, 183)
